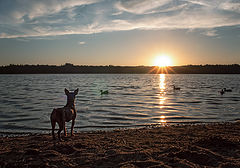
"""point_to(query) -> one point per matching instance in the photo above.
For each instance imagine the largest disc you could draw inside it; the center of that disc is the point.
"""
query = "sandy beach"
(205, 145)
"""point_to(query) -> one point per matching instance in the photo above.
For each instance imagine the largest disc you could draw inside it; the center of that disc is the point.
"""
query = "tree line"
(85, 69)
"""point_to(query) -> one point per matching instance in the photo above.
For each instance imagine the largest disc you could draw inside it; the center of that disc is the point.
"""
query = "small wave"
(128, 87)
(119, 118)
(116, 106)
(27, 108)
(137, 115)
(21, 120)
(17, 127)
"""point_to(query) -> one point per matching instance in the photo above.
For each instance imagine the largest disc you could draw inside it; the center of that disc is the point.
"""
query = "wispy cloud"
(33, 18)
(210, 33)
(81, 42)
(140, 6)
(231, 6)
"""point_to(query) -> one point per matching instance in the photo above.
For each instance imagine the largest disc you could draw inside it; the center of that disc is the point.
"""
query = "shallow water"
(26, 101)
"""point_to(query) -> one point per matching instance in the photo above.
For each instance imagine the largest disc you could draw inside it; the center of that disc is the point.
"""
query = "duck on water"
(176, 88)
(104, 92)
(227, 90)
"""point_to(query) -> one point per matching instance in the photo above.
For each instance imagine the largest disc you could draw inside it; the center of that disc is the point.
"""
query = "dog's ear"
(76, 91)
(66, 91)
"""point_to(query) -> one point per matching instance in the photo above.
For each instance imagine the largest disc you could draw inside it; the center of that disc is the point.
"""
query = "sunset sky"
(119, 32)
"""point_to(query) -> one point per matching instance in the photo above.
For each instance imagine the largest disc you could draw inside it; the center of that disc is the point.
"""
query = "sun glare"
(162, 61)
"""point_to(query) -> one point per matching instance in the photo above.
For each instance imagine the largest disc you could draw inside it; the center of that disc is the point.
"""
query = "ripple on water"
(27, 107)
(21, 119)
(14, 127)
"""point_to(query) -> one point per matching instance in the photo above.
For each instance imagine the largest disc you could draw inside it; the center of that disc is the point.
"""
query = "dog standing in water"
(65, 114)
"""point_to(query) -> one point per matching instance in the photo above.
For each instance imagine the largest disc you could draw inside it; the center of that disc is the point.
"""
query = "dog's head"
(71, 96)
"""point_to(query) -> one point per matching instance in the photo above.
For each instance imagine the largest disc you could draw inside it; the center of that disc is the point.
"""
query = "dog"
(65, 114)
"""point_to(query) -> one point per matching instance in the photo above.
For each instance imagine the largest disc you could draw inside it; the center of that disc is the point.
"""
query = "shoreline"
(110, 128)
(195, 145)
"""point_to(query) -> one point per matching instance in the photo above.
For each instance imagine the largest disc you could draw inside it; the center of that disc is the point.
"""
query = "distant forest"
(84, 69)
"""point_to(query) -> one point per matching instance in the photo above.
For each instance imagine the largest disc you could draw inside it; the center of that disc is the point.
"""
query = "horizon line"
(70, 64)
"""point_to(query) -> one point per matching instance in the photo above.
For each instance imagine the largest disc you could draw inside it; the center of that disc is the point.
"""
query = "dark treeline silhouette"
(70, 68)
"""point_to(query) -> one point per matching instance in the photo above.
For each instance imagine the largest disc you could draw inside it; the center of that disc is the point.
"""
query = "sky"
(119, 32)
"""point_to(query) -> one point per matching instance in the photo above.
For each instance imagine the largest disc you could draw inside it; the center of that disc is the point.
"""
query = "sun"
(162, 61)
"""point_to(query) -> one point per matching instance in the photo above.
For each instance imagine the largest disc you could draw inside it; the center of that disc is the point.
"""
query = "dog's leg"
(64, 129)
(60, 129)
(53, 122)
(73, 122)
(53, 128)
(59, 133)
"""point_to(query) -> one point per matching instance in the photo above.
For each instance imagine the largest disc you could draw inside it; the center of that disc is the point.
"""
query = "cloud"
(231, 6)
(140, 6)
(33, 18)
(33, 9)
(210, 33)
(81, 42)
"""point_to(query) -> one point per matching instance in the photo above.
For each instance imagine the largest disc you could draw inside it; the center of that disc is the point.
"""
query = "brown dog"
(65, 114)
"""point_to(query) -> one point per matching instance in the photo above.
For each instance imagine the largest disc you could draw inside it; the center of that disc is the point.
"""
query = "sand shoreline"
(203, 145)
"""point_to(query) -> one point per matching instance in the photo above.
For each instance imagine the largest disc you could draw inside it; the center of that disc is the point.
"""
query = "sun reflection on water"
(161, 96)
(163, 119)
(162, 82)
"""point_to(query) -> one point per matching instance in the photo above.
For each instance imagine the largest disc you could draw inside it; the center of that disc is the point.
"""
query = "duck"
(222, 92)
(227, 90)
(104, 92)
(176, 88)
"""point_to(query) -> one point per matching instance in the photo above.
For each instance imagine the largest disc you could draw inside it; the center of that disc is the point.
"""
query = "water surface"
(133, 100)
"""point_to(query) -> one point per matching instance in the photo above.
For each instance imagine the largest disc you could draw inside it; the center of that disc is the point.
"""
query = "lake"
(134, 100)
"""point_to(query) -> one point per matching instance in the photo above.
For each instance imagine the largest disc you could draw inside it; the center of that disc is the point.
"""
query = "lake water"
(134, 100)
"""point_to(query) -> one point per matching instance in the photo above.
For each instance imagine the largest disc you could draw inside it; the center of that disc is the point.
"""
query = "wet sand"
(205, 145)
